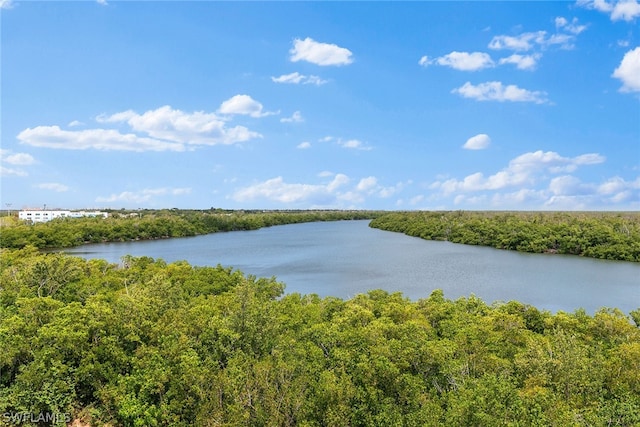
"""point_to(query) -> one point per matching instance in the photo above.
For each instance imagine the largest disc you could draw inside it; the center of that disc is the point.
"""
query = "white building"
(43, 215)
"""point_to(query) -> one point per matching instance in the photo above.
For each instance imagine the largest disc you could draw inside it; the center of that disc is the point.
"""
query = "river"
(345, 258)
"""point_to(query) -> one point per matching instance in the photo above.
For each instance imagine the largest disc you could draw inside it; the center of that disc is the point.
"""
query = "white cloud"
(354, 144)
(6, 4)
(304, 145)
(528, 41)
(465, 61)
(296, 117)
(616, 186)
(102, 2)
(163, 129)
(244, 105)
(5, 171)
(334, 192)
(142, 196)
(338, 181)
(568, 192)
(522, 62)
(566, 185)
(75, 123)
(424, 61)
(17, 159)
(522, 170)
(572, 27)
(197, 128)
(277, 190)
(522, 42)
(540, 180)
(629, 71)
(367, 184)
(626, 10)
(53, 186)
(477, 142)
(97, 139)
(297, 78)
(496, 91)
(319, 53)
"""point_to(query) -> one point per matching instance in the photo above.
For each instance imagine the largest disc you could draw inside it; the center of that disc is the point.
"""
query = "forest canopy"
(145, 343)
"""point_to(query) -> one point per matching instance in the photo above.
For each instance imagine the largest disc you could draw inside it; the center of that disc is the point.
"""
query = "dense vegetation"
(146, 343)
(605, 235)
(146, 224)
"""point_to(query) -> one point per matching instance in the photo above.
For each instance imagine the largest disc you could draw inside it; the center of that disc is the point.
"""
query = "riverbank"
(601, 235)
(126, 226)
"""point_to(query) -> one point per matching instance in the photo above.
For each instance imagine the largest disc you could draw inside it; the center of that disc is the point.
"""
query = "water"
(346, 258)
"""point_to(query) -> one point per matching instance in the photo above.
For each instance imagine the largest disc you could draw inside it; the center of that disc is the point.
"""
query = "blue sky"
(381, 105)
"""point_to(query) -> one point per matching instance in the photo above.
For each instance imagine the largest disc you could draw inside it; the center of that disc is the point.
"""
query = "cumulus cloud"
(336, 190)
(496, 91)
(244, 105)
(626, 10)
(53, 186)
(369, 186)
(6, 171)
(367, 183)
(197, 128)
(97, 139)
(463, 61)
(296, 117)
(304, 145)
(629, 71)
(319, 53)
(277, 190)
(540, 180)
(569, 192)
(354, 144)
(162, 129)
(538, 39)
(522, 62)
(142, 196)
(524, 169)
(22, 159)
(297, 78)
(477, 142)
(14, 159)
(6, 4)
(521, 42)
(572, 27)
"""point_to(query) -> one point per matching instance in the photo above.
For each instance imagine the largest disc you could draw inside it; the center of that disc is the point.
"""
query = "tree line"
(147, 343)
(604, 235)
(152, 224)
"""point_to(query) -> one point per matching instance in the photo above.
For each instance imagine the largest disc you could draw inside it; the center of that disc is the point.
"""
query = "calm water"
(346, 258)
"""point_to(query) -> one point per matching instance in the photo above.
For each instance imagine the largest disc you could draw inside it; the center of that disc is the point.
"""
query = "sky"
(320, 105)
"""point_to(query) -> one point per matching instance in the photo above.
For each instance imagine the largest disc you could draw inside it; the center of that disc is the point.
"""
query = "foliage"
(146, 225)
(604, 235)
(145, 343)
